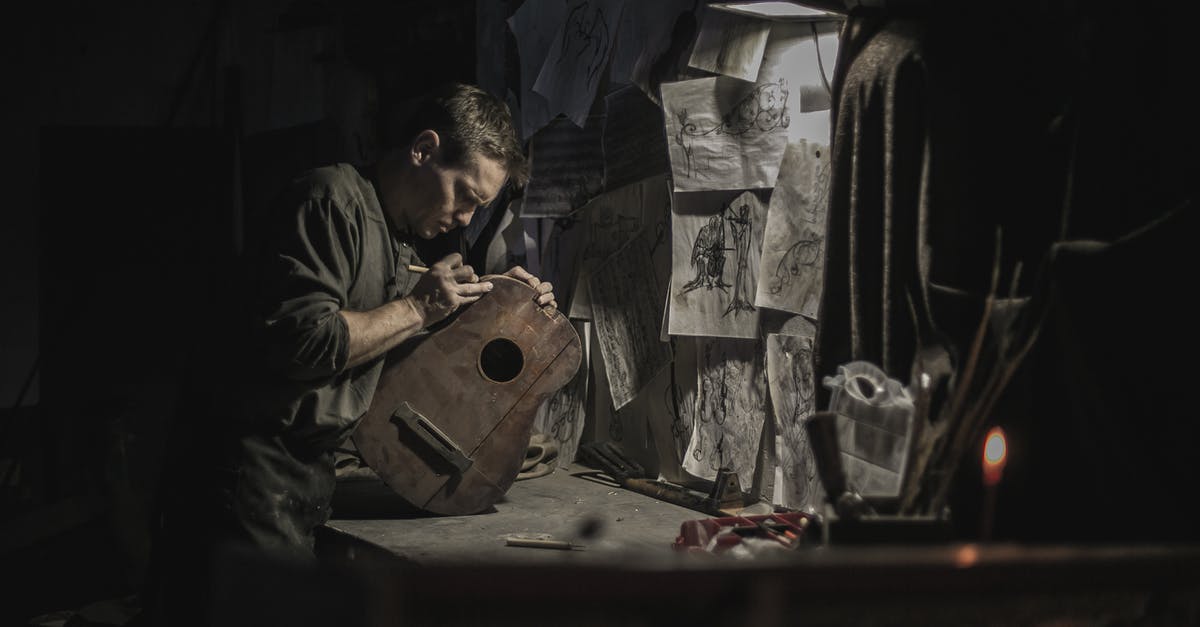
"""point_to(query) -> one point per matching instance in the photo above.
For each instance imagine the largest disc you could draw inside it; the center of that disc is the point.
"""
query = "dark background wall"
(119, 114)
(138, 137)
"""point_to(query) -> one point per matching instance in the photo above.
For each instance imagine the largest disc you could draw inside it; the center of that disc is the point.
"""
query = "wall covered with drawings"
(677, 201)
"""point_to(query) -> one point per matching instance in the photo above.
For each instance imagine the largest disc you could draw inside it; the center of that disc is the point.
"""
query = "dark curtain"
(1045, 124)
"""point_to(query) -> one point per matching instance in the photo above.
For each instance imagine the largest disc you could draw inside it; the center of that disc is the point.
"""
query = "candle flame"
(995, 452)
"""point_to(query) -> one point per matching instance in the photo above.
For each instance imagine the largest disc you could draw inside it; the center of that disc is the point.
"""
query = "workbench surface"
(457, 570)
(628, 525)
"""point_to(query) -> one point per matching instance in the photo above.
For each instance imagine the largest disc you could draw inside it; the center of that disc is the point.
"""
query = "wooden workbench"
(458, 571)
(627, 525)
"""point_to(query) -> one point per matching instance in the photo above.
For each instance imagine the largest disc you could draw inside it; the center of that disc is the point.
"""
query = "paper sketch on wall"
(627, 291)
(566, 168)
(725, 133)
(611, 221)
(730, 44)
(574, 66)
(731, 407)
(634, 145)
(715, 266)
(792, 386)
(535, 26)
(792, 266)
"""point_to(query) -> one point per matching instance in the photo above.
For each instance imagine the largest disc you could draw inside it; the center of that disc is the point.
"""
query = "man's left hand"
(544, 289)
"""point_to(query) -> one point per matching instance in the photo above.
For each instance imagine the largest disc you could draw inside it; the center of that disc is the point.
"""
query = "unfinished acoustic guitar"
(451, 418)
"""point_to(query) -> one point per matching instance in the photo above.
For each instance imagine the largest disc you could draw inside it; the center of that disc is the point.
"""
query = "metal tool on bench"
(724, 499)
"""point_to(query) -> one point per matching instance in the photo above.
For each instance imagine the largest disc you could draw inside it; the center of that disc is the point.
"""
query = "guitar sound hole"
(501, 360)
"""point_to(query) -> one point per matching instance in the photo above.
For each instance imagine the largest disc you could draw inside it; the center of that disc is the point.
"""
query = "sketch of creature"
(740, 225)
(708, 257)
(805, 253)
(585, 32)
(763, 109)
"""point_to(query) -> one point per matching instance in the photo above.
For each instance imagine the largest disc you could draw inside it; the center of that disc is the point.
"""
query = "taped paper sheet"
(792, 387)
(534, 27)
(665, 25)
(731, 407)
(724, 133)
(793, 253)
(717, 244)
(730, 44)
(610, 221)
(634, 145)
(578, 57)
(627, 290)
(566, 168)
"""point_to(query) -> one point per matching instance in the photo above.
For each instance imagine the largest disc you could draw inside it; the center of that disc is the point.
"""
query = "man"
(329, 295)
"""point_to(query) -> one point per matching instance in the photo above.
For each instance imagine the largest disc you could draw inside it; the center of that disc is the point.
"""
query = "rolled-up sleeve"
(305, 278)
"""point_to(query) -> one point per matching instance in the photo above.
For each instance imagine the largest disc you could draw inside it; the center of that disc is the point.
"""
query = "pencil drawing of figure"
(740, 225)
(586, 35)
(708, 257)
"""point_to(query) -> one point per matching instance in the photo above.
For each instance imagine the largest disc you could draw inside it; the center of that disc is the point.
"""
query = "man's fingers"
(544, 287)
(474, 289)
(453, 260)
(464, 274)
(517, 272)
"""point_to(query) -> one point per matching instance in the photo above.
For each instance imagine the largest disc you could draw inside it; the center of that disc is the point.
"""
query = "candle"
(995, 454)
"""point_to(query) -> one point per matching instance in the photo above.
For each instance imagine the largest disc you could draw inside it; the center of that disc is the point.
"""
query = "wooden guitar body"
(450, 421)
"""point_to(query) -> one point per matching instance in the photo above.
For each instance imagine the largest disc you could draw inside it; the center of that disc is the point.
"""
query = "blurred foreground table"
(459, 571)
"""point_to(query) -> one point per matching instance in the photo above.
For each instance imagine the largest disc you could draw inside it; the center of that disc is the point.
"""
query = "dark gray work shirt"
(329, 249)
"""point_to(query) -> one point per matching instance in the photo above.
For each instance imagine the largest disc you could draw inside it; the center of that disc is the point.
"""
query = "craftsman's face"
(446, 196)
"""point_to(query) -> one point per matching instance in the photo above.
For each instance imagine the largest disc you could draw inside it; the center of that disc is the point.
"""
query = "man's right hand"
(447, 286)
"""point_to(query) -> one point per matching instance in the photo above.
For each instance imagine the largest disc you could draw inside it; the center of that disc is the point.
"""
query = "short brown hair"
(469, 121)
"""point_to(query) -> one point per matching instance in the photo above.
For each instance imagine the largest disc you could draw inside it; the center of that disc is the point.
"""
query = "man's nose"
(464, 217)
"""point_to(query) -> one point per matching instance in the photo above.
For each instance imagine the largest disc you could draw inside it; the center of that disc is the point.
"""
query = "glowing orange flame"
(995, 453)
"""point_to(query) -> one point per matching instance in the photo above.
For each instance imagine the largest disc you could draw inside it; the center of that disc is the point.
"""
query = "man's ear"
(424, 147)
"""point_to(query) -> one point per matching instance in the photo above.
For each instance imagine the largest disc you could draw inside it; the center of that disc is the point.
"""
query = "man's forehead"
(485, 174)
